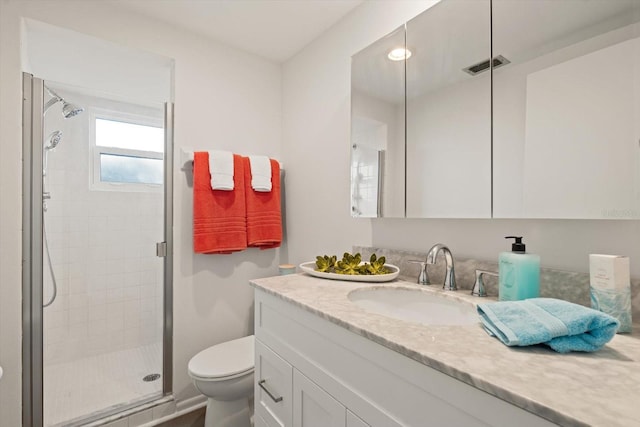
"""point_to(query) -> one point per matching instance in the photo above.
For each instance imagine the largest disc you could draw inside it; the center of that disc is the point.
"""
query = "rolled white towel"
(221, 170)
(260, 173)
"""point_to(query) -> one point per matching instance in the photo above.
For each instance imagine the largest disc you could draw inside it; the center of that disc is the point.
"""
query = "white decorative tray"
(309, 268)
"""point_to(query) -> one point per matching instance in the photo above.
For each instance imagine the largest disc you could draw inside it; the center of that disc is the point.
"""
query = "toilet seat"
(224, 361)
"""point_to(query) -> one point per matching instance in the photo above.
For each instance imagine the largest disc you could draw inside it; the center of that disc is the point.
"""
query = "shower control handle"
(264, 387)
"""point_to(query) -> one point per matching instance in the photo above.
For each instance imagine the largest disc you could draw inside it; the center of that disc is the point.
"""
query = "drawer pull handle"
(264, 387)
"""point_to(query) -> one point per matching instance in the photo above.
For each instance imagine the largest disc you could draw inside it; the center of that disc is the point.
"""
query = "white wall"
(224, 99)
(316, 92)
(57, 54)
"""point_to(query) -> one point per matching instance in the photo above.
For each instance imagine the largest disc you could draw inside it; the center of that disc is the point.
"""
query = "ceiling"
(273, 29)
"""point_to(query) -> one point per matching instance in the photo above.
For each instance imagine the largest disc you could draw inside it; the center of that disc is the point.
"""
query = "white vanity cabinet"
(285, 397)
(328, 376)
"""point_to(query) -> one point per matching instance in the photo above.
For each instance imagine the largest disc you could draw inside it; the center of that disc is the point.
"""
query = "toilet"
(224, 374)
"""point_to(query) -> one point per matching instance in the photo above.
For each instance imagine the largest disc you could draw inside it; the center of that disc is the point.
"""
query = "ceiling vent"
(475, 69)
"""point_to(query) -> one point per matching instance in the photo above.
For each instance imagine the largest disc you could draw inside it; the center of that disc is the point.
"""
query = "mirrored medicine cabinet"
(549, 128)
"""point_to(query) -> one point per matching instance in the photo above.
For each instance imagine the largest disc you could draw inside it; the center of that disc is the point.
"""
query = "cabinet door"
(272, 388)
(448, 110)
(355, 421)
(314, 407)
(557, 152)
(258, 421)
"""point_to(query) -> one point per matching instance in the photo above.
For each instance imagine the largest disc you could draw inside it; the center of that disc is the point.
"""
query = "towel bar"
(186, 159)
(186, 162)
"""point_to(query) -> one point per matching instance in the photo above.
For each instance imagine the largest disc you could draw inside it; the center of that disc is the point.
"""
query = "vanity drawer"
(273, 387)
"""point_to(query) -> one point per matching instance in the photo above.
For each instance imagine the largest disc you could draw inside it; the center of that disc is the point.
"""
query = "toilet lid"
(224, 359)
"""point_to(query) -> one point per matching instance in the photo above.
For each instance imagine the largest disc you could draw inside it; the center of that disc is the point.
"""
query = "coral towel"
(219, 217)
(264, 218)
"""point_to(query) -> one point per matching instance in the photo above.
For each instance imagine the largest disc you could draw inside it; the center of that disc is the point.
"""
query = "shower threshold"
(116, 412)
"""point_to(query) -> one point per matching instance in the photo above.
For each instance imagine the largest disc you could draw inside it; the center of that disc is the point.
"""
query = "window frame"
(96, 151)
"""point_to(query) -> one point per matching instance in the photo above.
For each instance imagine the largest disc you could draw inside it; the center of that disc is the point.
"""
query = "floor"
(81, 387)
(192, 419)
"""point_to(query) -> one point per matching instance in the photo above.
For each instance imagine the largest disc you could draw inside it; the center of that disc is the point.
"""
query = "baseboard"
(194, 418)
(182, 408)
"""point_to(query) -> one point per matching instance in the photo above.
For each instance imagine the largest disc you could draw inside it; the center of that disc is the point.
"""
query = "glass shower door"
(104, 343)
(103, 332)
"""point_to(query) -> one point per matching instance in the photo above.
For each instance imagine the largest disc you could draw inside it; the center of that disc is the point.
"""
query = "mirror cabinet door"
(449, 111)
(566, 115)
(378, 129)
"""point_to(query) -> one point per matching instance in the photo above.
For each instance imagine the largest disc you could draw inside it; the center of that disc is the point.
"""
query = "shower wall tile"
(78, 301)
(78, 315)
(98, 315)
(116, 339)
(132, 319)
(56, 319)
(60, 304)
(147, 305)
(77, 285)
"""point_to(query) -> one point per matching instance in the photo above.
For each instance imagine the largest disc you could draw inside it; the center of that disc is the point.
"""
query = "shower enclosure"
(97, 253)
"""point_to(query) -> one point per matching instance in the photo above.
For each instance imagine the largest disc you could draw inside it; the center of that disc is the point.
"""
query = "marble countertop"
(575, 389)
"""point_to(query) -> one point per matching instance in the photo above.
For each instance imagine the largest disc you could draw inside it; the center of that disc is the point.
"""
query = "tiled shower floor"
(82, 387)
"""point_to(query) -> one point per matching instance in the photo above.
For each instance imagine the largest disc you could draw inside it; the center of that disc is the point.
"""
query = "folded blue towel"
(561, 325)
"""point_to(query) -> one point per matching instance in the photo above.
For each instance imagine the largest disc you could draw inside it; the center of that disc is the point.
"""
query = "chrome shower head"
(53, 140)
(68, 109)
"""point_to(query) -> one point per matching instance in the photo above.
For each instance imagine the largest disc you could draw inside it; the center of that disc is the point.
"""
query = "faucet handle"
(478, 287)
(423, 278)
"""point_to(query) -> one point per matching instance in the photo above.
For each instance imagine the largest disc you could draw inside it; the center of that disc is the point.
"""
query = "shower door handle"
(161, 249)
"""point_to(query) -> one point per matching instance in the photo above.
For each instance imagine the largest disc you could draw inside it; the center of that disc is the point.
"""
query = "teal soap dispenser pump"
(519, 273)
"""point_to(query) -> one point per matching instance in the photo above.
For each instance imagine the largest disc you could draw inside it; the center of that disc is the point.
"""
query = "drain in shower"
(151, 377)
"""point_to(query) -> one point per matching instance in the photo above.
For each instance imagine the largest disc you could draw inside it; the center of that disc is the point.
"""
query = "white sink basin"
(413, 305)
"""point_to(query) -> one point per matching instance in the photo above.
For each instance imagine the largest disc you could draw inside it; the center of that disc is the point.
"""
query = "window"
(128, 152)
(132, 169)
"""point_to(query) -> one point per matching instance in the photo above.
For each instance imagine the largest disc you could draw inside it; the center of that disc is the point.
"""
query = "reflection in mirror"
(567, 109)
(377, 129)
(449, 111)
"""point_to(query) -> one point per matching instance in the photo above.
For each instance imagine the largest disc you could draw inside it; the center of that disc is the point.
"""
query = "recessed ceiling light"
(399, 54)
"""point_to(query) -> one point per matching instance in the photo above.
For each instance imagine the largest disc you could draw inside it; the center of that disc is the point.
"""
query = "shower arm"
(50, 103)
(55, 98)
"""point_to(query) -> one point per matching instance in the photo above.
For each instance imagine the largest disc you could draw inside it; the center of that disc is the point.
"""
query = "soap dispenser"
(519, 273)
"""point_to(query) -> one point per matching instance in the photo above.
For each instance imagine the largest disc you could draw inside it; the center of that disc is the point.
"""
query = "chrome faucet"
(450, 275)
